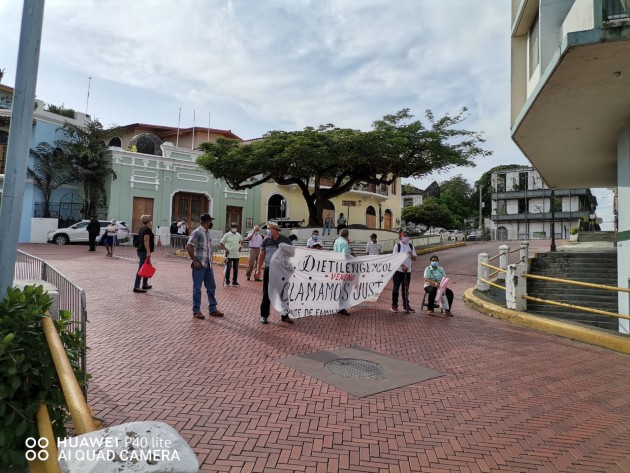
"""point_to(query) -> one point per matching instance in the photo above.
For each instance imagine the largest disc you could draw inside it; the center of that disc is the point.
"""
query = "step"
(604, 322)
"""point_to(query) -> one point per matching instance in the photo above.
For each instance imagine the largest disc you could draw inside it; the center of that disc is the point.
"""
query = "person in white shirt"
(255, 240)
(182, 228)
(374, 247)
(232, 244)
(313, 241)
(403, 274)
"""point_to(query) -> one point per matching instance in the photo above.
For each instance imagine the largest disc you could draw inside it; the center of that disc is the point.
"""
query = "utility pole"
(19, 138)
(480, 215)
(553, 220)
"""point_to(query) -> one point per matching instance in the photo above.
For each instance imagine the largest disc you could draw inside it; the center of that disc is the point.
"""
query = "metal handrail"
(494, 267)
(578, 283)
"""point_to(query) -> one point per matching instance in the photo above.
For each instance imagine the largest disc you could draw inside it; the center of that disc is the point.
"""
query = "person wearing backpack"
(144, 243)
(402, 276)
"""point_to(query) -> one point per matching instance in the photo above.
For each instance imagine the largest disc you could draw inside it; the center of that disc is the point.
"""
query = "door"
(387, 221)
(370, 217)
(141, 206)
(233, 214)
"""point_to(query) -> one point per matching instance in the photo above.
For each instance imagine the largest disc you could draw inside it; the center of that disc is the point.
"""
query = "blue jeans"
(204, 276)
(142, 255)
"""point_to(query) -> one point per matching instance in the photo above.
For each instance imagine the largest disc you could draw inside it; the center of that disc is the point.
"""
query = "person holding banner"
(313, 242)
(342, 245)
(402, 276)
(268, 248)
(433, 276)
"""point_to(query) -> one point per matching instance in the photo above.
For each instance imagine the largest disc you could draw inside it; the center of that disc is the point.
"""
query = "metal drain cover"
(357, 369)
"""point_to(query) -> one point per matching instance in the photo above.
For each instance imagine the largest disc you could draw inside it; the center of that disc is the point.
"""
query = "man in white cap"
(268, 248)
(232, 243)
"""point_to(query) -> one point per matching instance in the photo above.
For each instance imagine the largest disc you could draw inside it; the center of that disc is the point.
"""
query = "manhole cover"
(358, 369)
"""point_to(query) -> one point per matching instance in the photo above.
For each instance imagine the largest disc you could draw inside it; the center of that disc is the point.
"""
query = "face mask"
(234, 230)
(268, 232)
(434, 264)
(405, 240)
(255, 232)
(315, 237)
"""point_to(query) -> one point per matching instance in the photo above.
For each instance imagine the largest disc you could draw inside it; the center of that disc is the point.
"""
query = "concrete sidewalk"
(509, 398)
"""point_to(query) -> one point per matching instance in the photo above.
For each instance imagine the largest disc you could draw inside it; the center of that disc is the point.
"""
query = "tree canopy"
(49, 172)
(431, 213)
(327, 162)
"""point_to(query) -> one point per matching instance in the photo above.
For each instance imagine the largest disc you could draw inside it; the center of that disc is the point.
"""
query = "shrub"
(64, 112)
(574, 230)
(27, 371)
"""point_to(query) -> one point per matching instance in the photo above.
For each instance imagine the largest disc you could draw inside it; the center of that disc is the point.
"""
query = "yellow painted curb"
(593, 336)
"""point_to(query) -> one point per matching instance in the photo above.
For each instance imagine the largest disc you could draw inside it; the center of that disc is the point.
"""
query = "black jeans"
(399, 278)
(431, 291)
(265, 305)
(92, 241)
(231, 262)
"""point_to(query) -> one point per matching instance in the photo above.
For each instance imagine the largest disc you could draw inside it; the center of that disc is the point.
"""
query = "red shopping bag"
(147, 270)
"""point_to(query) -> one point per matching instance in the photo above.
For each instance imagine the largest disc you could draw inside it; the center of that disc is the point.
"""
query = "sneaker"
(235, 284)
(137, 289)
(247, 277)
(409, 309)
(395, 308)
(216, 313)
(198, 315)
(287, 319)
(258, 280)
(148, 286)
(343, 312)
(227, 283)
(263, 320)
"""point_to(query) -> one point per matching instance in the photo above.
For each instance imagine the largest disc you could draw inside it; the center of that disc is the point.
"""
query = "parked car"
(455, 235)
(78, 233)
(436, 231)
(475, 235)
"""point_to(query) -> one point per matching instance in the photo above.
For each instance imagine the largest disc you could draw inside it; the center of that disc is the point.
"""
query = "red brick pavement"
(511, 399)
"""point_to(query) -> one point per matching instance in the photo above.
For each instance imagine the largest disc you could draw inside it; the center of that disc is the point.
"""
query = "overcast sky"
(252, 66)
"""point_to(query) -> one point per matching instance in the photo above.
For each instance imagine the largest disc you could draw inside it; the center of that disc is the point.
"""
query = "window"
(557, 205)
(501, 207)
(534, 46)
(522, 206)
(522, 181)
(501, 182)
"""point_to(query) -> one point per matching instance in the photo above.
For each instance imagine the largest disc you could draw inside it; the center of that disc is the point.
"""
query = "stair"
(592, 267)
(589, 237)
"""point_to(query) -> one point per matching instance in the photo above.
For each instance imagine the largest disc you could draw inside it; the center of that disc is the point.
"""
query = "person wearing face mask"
(255, 240)
(313, 241)
(232, 243)
(199, 249)
(433, 275)
(144, 250)
(402, 276)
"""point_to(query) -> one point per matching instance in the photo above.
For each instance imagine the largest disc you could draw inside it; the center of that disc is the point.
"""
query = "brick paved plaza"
(510, 399)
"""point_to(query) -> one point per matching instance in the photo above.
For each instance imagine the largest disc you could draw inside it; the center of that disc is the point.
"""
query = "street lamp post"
(553, 220)
(380, 217)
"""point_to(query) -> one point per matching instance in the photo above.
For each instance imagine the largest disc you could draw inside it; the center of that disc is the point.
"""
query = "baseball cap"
(205, 217)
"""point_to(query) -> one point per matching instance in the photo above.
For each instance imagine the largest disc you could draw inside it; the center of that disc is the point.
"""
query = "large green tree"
(50, 171)
(459, 197)
(327, 162)
(431, 213)
(85, 148)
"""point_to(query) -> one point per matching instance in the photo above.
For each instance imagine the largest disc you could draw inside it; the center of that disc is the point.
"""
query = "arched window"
(276, 207)
(115, 142)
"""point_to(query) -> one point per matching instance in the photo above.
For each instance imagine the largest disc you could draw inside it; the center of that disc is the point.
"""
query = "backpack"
(398, 246)
(136, 241)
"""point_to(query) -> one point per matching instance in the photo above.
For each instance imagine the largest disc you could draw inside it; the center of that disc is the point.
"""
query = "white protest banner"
(313, 282)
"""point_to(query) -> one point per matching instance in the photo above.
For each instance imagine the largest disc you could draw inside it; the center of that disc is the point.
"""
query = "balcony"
(532, 193)
(379, 191)
(537, 217)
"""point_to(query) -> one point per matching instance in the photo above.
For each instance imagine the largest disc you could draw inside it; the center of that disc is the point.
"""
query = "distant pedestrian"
(342, 245)
(255, 239)
(173, 229)
(182, 228)
(199, 249)
(374, 247)
(269, 247)
(110, 239)
(341, 223)
(402, 276)
(328, 223)
(232, 243)
(313, 242)
(146, 244)
(94, 229)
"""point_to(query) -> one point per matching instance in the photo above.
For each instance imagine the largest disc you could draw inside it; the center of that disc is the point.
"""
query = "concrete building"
(157, 174)
(522, 204)
(571, 101)
(66, 202)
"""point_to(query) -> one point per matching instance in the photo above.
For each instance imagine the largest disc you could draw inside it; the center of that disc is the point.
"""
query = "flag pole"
(179, 117)
(87, 101)
(192, 141)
